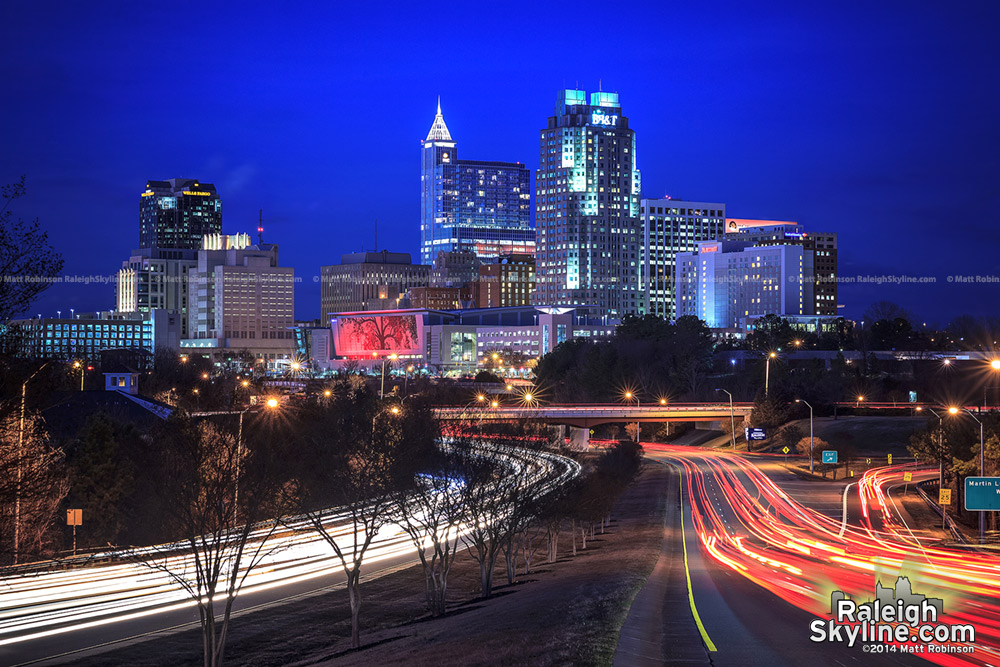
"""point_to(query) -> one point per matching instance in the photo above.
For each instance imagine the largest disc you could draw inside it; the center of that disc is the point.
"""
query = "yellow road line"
(687, 572)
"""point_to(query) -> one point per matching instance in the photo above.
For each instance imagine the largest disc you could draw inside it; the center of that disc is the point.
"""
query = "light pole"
(20, 444)
(732, 420)
(811, 457)
(944, 519)
(994, 366)
(629, 396)
(381, 391)
(767, 371)
(982, 466)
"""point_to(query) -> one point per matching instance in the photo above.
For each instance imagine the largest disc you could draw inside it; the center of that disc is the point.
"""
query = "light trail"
(44, 604)
(801, 556)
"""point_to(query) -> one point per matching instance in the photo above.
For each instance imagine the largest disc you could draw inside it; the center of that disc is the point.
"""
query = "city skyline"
(878, 129)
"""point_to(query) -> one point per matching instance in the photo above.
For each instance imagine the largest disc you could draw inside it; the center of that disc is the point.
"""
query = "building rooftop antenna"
(260, 227)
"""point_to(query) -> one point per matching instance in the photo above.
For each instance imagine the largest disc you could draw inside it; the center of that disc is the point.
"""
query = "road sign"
(754, 434)
(890, 459)
(868, 462)
(982, 494)
(944, 497)
(829, 456)
(74, 517)
(591, 431)
(785, 449)
(907, 476)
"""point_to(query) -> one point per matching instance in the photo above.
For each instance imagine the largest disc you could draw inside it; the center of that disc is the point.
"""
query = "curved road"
(752, 568)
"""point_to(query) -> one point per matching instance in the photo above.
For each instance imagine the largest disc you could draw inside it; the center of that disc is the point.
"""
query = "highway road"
(49, 615)
(760, 566)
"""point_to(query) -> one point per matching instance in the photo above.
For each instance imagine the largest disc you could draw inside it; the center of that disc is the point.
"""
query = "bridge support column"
(579, 438)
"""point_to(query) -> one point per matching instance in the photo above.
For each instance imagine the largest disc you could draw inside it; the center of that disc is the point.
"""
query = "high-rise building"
(727, 284)
(369, 281)
(587, 207)
(505, 283)
(671, 226)
(472, 205)
(156, 279)
(177, 213)
(820, 256)
(241, 300)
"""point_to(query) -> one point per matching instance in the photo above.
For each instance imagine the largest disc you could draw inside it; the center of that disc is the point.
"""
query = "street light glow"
(272, 403)
(995, 364)
(953, 410)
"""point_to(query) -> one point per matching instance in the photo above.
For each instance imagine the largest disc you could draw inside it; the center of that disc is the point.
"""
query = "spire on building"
(439, 131)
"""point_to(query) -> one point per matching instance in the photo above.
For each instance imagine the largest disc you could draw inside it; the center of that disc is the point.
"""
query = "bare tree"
(33, 483)
(220, 497)
(360, 440)
(431, 513)
(27, 261)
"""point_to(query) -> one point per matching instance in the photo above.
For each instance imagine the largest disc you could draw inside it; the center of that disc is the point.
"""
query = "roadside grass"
(565, 613)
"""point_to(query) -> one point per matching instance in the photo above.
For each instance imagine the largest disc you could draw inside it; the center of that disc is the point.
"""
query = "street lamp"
(732, 419)
(629, 396)
(861, 398)
(20, 444)
(982, 465)
(811, 458)
(767, 371)
(994, 366)
(381, 391)
(944, 520)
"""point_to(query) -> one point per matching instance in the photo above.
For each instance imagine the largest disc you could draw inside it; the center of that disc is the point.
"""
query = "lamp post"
(20, 473)
(767, 371)
(982, 466)
(811, 457)
(629, 396)
(732, 420)
(994, 366)
(944, 519)
(381, 391)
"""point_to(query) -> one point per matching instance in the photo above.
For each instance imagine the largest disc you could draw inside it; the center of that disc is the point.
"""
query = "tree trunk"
(583, 537)
(572, 532)
(354, 592)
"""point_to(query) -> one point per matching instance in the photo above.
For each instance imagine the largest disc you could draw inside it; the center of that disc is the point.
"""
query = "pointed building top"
(439, 131)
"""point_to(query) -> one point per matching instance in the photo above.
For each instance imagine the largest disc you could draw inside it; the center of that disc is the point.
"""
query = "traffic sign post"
(907, 477)
(830, 456)
(982, 494)
(944, 499)
(785, 450)
(74, 518)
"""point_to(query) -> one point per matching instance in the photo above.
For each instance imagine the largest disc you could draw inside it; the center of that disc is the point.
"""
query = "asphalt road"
(745, 623)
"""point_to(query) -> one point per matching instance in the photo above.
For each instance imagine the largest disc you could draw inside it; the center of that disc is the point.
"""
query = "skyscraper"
(672, 226)
(177, 213)
(587, 207)
(472, 205)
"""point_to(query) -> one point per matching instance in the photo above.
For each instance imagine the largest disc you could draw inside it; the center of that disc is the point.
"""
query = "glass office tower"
(587, 207)
(177, 213)
(484, 207)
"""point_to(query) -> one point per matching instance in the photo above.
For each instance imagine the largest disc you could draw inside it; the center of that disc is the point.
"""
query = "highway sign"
(829, 456)
(890, 459)
(74, 517)
(785, 449)
(982, 494)
(754, 434)
(907, 476)
(944, 497)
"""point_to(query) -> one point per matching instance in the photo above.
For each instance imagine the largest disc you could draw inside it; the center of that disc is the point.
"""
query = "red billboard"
(362, 335)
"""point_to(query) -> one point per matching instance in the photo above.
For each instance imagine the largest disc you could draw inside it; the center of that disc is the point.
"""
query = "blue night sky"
(879, 124)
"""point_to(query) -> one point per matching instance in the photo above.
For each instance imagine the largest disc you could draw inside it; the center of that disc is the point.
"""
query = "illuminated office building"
(471, 205)
(672, 226)
(178, 213)
(587, 207)
(369, 281)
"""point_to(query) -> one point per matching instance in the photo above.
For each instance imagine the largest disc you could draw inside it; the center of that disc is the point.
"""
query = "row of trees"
(230, 490)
